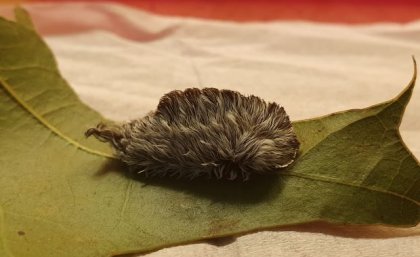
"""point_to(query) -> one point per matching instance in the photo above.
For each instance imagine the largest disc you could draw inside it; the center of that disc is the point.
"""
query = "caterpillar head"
(205, 132)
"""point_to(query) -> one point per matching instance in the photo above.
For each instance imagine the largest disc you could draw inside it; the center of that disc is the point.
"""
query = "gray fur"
(208, 132)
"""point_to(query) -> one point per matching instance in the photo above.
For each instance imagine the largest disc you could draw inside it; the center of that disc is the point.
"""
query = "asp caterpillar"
(205, 132)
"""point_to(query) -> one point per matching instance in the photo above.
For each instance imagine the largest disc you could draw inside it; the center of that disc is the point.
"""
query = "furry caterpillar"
(205, 132)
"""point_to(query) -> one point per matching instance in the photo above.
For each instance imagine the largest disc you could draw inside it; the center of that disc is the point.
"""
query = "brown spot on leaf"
(21, 233)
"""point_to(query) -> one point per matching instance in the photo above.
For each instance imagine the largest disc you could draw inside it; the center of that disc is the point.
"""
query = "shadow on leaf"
(257, 188)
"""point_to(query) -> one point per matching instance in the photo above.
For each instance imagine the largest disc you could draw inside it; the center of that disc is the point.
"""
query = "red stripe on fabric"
(351, 11)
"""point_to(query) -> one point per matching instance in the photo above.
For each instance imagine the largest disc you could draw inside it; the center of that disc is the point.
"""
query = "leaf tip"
(22, 17)
(415, 66)
(405, 95)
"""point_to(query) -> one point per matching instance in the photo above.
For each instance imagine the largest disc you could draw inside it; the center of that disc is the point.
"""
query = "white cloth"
(121, 61)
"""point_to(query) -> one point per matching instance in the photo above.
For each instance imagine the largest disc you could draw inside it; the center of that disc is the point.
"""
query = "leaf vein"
(30, 67)
(124, 206)
(334, 181)
(43, 121)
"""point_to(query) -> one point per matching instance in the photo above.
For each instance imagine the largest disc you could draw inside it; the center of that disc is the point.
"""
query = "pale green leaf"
(62, 195)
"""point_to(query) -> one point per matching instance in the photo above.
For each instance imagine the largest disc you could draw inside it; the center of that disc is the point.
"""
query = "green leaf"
(23, 18)
(62, 195)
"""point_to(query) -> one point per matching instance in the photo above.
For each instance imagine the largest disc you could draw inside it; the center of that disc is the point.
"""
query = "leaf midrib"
(44, 122)
(55, 130)
(338, 182)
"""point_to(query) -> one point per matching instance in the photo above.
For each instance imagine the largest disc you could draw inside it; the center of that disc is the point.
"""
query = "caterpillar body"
(205, 132)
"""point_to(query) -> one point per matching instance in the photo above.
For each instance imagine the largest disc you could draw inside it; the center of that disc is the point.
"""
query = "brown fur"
(208, 132)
